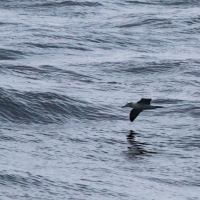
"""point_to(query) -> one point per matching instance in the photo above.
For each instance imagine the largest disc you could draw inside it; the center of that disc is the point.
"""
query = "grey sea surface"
(67, 67)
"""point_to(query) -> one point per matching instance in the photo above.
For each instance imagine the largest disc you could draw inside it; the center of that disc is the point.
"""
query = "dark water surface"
(67, 67)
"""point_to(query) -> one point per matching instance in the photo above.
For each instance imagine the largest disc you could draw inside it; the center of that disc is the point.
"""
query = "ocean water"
(67, 68)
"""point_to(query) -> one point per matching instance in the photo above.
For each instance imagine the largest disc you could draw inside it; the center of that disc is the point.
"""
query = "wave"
(25, 180)
(152, 67)
(44, 72)
(157, 22)
(71, 3)
(7, 54)
(46, 107)
(168, 3)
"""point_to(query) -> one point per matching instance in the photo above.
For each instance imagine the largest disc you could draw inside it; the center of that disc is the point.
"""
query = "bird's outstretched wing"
(134, 113)
(144, 101)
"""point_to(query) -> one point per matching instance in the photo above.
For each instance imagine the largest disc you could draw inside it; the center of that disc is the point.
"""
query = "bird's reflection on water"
(135, 147)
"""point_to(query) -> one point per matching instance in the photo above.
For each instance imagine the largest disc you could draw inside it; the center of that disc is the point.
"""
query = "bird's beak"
(123, 106)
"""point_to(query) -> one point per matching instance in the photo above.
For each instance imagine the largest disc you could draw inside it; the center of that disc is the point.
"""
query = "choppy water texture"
(67, 67)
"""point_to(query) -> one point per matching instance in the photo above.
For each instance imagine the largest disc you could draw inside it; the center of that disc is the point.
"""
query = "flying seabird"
(143, 104)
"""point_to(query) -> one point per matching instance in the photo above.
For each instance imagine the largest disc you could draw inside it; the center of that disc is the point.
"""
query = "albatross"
(143, 104)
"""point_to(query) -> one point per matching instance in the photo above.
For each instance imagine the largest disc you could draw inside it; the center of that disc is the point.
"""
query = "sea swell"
(45, 107)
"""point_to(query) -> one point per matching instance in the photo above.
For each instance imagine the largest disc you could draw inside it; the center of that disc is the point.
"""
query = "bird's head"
(128, 105)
